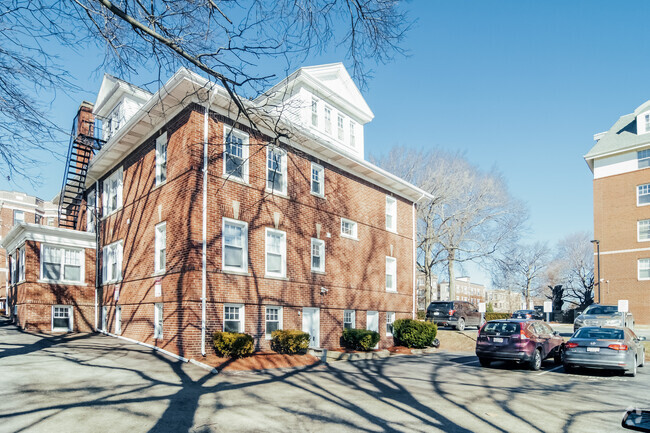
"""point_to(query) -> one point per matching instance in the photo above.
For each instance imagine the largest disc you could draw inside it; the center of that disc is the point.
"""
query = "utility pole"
(597, 242)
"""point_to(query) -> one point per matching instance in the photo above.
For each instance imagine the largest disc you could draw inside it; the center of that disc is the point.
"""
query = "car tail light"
(618, 346)
(528, 316)
(523, 335)
(481, 328)
(571, 345)
(451, 312)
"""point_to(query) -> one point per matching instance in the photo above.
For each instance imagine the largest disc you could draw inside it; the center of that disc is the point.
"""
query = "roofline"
(40, 233)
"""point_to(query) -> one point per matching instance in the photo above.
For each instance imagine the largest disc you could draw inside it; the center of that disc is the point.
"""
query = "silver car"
(603, 315)
(611, 348)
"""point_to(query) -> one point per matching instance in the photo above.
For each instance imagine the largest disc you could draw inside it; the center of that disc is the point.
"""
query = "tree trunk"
(452, 278)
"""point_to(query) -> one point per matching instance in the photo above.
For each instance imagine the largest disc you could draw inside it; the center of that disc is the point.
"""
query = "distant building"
(15, 208)
(465, 291)
(620, 162)
(421, 290)
(504, 301)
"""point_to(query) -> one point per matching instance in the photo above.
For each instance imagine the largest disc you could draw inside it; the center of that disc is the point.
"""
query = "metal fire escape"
(84, 142)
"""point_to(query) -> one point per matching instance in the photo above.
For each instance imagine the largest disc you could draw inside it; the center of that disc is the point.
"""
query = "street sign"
(481, 307)
(548, 306)
(623, 306)
(531, 305)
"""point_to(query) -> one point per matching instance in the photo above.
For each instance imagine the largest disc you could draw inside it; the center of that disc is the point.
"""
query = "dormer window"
(352, 128)
(340, 127)
(328, 120)
(646, 117)
(114, 121)
(314, 112)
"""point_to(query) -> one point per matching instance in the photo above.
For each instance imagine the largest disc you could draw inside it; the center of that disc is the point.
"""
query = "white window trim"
(21, 264)
(355, 235)
(283, 168)
(314, 103)
(283, 273)
(70, 318)
(637, 196)
(327, 123)
(321, 242)
(394, 264)
(244, 224)
(354, 318)
(242, 321)
(389, 314)
(159, 141)
(158, 310)
(227, 129)
(119, 246)
(280, 314)
(391, 201)
(156, 259)
(638, 270)
(14, 217)
(118, 320)
(119, 174)
(638, 231)
(321, 171)
(63, 280)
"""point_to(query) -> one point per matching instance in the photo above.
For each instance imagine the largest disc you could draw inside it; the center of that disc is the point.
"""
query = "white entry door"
(311, 325)
(372, 322)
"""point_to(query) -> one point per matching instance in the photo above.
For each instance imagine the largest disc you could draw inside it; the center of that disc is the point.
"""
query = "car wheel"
(484, 362)
(461, 324)
(559, 355)
(632, 372)
(642, 359)
(536, 360)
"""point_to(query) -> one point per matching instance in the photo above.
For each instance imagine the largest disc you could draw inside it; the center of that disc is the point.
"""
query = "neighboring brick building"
(504, 301)
(619, 162)
(299, 234)
(17, 207)
(465, 291)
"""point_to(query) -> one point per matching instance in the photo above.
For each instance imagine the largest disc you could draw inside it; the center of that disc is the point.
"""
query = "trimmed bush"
(359, 339)
(496, 316)
(422, 315)
(414, 333)
(232, 344)
(289, 341)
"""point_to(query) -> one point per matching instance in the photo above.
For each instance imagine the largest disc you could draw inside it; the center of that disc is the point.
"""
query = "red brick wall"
(354, 269)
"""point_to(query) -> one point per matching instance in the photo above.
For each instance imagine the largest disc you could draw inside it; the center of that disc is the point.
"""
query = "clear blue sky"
(520, 85)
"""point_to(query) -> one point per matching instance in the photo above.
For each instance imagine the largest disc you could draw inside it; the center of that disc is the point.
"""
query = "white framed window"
(391, 274)
(62, 318)
(339, 125)
(21, 264)
(317, 255)
(317, 180)
(91, 203)
(391, 213)
(644, 269)
(276, 170)
(390, 318)
(161, 158)
(349, 319)
(348, 228)
(13, 267)
(643, 157)
(643, 230)
(234, 252)
(19, 216)
(112, 193)
(38, 219)
(112, 262)
(643, 194)
(314, 112)
(118, 320)
(276, 253)
(62, 264)
(158, 321)
(114, 121)
(233, 318)
(160, 247)
(273, 320)
(235, 152)
(328, 120)
(104, 322)
(50, 221)
(353, 127)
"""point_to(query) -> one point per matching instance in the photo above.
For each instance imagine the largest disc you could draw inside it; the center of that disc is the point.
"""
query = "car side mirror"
(637, 420)
(642, 338)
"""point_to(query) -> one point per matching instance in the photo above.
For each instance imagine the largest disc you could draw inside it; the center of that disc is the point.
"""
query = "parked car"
(603, 315)
(458, 314)
(613, 348)
(523, 341)
(528, 314)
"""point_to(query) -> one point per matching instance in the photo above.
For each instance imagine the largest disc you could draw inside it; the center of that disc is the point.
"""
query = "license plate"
(497, 340)
(435, 313)
(593, 349)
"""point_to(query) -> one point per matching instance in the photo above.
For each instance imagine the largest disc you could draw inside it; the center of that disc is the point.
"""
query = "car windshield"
(602, 309)
(501, 328)
(599, 333)
(440, 306)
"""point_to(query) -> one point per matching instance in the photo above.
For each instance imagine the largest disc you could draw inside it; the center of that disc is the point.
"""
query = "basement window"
(61, 318)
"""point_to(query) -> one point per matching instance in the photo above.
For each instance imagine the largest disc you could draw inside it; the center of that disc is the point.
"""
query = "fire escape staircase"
(84, 142)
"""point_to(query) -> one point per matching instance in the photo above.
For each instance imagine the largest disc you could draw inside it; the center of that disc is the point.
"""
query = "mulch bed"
(399, 350)
(259, 361)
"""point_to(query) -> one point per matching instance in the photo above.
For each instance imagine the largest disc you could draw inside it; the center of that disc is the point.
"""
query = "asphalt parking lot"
(98, 383)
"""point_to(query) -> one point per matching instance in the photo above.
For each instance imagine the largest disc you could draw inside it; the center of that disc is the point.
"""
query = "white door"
(104, 318)
(372, 321)
(311, 325)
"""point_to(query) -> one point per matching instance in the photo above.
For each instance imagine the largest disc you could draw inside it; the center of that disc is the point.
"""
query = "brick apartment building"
(300, 233)
(505, 301)
(15, 208)
(465, 291)
(619, 162)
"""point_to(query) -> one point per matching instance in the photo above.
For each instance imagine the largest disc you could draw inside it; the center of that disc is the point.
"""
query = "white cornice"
(50, 235)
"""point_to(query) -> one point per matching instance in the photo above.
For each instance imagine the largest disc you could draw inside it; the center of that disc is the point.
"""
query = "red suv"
(524, 341)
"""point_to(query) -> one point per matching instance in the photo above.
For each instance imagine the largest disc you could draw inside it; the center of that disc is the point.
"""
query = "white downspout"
(97, 267)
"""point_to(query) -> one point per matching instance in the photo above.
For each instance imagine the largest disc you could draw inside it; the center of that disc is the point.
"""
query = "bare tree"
(471, 216)
(522, 267)
(576, 252)
(235, 43)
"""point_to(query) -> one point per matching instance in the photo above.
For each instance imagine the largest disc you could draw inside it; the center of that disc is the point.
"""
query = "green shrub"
(422, 314)
(497, 316)
(359, 339)
(414, 333)
(289, 341)
(232, 344)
